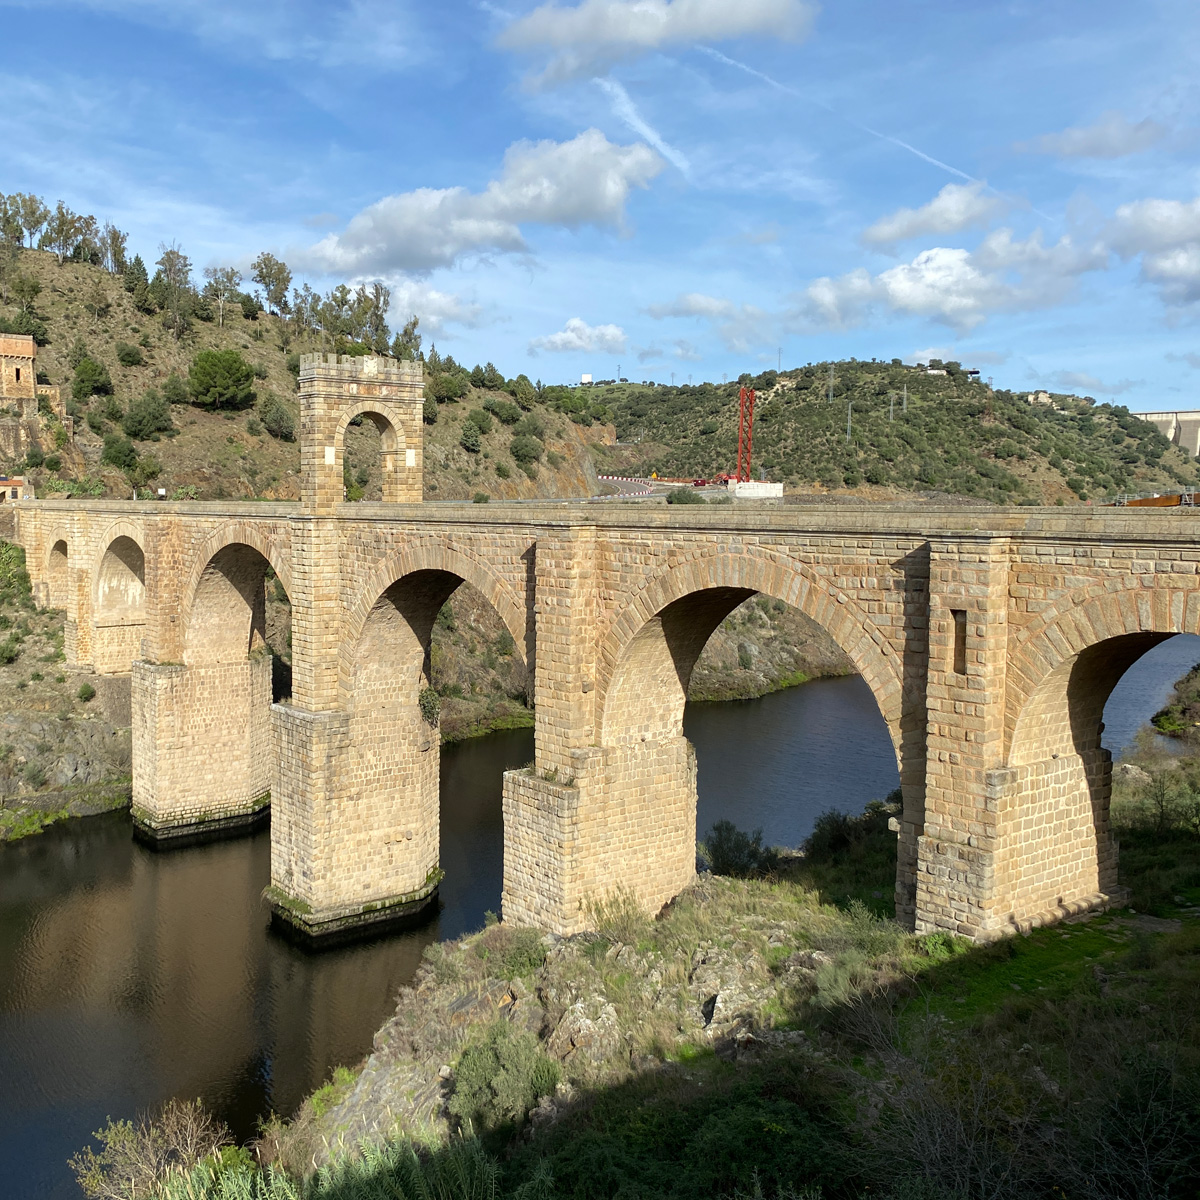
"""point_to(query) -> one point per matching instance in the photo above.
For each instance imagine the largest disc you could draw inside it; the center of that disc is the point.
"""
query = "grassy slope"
(1027, 453)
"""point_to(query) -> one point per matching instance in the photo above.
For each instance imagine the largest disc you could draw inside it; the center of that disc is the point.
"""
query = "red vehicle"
(699, 483)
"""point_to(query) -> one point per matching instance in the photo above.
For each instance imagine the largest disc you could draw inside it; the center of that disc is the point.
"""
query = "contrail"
(624, 107)
(883, 137)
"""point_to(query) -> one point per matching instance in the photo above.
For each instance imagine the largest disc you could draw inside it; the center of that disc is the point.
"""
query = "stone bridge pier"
(990, 640)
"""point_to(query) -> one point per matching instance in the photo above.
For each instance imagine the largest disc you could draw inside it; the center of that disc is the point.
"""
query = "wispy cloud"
(627, 111)
(1082, 381)
(591, 37)
(1113, 135)
(739, 326)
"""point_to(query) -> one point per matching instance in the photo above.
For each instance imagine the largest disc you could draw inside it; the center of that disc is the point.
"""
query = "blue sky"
(682, 186)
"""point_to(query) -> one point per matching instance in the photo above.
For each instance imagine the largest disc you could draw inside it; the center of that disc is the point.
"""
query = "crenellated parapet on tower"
(334, 390)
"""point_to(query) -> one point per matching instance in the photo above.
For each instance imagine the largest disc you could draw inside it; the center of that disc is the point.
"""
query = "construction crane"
(745, 433)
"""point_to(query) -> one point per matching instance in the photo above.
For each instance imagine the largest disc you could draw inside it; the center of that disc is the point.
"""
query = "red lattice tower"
(745, 432)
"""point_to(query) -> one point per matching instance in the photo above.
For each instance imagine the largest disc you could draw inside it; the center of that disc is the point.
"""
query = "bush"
(470, 440)
(525, 449)
(221, 379)
(95, 422)
(835, 832)
(480, 498)
(277, 419)
(685, 495)
(91, 379)
(119, 452)
(532, 426)
(254, 426)
(129, 356)
(175, 391)
(481, 420)
(499, 1080)
(148, 416)
(34, 457)
(729, 851)
(53, 462)
(86, 692)
(504, 411)
(429, 411)
(511, 952)
(430, 704)
(502, 470)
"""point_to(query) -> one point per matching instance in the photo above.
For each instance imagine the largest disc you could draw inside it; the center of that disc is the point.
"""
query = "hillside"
(951, 436)
(85, 310)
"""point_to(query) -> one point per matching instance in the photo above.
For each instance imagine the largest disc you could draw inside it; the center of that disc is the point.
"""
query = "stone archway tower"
(333, 391)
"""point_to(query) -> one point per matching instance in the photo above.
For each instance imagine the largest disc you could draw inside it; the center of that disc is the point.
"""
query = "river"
(129, 976)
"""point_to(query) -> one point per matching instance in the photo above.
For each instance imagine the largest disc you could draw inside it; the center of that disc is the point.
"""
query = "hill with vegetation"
(909, 431)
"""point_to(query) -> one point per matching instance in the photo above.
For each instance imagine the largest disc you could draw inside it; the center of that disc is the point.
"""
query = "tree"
(176, 270)
(135, 273)
(175, 391)
(119, 452)
(63, 230)
(470, 440)
(274, 277)
(148, 416)
(91, 379)
(277, 419)
(8, 264)
(223, 285)
(32, 214)
(525, 449)
(406, 345)
(112, 248)
(306, 309)
(10, 221)
(492, 378)
(376, 330)
(25, 290)
(477, 376)
(221, 379)
(523, 391)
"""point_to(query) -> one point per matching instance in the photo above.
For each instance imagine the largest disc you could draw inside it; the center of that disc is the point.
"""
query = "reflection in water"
(128, 977)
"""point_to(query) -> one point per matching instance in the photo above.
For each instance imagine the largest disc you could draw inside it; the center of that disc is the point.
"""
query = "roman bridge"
(990, 638)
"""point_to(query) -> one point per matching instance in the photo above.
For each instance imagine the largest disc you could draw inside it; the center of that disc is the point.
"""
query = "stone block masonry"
(990, 638)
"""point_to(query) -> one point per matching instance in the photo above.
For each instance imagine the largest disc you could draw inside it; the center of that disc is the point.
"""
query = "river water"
(129, 976)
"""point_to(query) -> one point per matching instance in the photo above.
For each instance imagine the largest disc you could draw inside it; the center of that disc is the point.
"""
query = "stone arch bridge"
(990, 638)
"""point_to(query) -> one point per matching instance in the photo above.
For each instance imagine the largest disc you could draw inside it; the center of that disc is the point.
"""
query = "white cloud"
(577, 336)
(1081, 381)
(436, 309)
(590, 37)
(1166, 233)
(650, 354)
(957, 206)
(1192, 360)
(1112, 136)
(739, 326)
(585, 181)
(958, 287)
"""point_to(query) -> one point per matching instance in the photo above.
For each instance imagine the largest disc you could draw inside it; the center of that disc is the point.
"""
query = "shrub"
(129, 356)
(10, 649)
(502, 470)
(481, 420)
(119, 452)
(525, 449)
(260, 371)
(510, 951)
(277, 419)
(730, 851)
(95, 422)
(685, 495)
(91, 379)
(430, 704)
(221, 379)
(53, 462)
(480, 498)
(429, 411)
(531, 426)
(470, 440)
(254, 426)
(86, 692)
(174, 390)
(504, 411)
(500, 1079)
(34, 457)
(147, 416)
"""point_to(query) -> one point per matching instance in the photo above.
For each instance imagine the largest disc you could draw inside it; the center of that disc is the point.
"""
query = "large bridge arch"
(672, 616)
(57, 570)
(1056, 849)
(118, 598)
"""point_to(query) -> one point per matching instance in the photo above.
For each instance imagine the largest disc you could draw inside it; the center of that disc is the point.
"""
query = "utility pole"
(904, 409)
(618, 372)
(831, 383)
(780, 366)
(891, 406)
(689, 379)
(672, 378)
